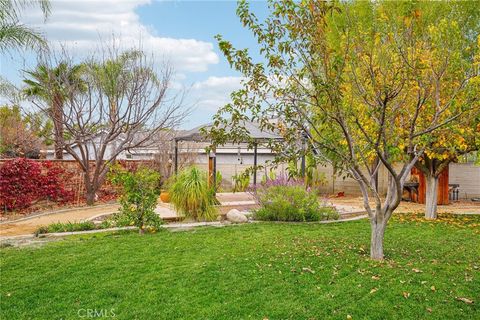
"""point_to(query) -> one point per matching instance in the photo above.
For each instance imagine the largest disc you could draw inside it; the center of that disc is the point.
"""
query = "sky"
(180, 32)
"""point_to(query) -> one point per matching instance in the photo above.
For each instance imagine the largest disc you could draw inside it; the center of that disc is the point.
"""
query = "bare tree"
(97, 133)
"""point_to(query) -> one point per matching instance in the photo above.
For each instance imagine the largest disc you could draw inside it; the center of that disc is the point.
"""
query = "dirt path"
(28, 226)
(461, 207)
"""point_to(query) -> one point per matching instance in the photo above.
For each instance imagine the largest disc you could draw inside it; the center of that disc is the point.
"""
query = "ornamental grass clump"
(191, 195)
(290, 203)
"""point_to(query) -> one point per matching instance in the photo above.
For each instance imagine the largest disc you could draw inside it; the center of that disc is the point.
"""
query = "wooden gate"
(442, 186)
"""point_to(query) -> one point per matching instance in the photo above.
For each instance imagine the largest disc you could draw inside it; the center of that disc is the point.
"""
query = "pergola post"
(255, 165)
(212, 168)
(176, 156)
(302, 165)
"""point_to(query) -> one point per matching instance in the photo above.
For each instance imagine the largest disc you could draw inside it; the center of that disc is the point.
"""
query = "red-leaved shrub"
(52, 183)
(23, 181)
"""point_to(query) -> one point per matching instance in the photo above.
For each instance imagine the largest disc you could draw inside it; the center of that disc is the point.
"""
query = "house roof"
(253, 128)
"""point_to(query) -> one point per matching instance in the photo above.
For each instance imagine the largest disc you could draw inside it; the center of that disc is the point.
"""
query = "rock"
(236, 216)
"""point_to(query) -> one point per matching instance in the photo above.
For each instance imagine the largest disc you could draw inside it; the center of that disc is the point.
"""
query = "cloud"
(84, 24)
(214, 92)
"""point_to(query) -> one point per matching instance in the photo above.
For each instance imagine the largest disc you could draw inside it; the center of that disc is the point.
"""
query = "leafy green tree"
(14, 34)
(139, 196)
(356, 79)
(41, 125)
(21, 136)
(114, 76)
(52, 85)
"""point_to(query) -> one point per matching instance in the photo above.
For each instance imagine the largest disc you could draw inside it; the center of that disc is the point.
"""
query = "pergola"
(257, 135)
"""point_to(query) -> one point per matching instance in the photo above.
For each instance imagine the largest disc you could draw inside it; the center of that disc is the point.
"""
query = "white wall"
(467, 175)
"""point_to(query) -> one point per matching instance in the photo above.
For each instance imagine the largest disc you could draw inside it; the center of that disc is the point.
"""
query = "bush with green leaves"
(139, 193)
(241, 181)
(218, 181)
(67, 227)
(290, 203)
(191, 195)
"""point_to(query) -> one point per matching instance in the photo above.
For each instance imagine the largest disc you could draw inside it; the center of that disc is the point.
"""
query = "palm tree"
(52, 85)
(112, 76)
(15, 35)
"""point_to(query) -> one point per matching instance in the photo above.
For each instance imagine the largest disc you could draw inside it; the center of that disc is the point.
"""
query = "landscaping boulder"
(236, 216)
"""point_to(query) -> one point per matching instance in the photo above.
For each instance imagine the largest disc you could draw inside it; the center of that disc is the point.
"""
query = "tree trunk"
(90, 197)
(58, 151)
(58, 124)
(431, 196)
(376, 241)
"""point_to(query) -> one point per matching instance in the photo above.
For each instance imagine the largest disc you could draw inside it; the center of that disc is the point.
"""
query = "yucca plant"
(191, 195)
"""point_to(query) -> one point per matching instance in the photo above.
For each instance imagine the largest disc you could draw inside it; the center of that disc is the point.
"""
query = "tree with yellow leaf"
(453, 84)
(446, 146)
(354, 80)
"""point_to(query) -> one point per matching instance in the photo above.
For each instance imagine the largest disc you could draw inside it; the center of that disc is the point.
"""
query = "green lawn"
(256, 271)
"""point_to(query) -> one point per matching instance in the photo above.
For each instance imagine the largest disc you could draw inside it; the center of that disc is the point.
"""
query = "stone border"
(98, 216)
(61, 234)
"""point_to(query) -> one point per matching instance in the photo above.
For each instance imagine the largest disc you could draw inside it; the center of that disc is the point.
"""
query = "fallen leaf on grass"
(429, 310)
(466, 300)
(373, 290)
(406, 294)
(375, 277)
(308, 270)
(416, 270)
(433, 288)
(349, 317)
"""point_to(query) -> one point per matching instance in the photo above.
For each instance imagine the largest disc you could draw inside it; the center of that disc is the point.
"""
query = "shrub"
(290, 203)
(191, 195)
(52, 183)
(314, 179)
(281, 180)
(139, 194)
(19, 183)
(23, 181)
(241, 181)
(67, 227)
(218, 181)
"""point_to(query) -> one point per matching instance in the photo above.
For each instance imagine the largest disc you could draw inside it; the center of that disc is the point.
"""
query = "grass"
(66, 227)
(255, 271)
